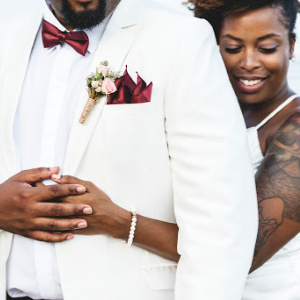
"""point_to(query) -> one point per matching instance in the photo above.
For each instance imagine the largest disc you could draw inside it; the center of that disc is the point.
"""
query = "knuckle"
(21, 173)
(25, 194)
(40, 171)
(89, 184)
(57, 210)
(67, 178)
(72, 189)
(54, 190)
(27, 234)
(21, 225)
(77, 210)
(34, 225)
(52, 225)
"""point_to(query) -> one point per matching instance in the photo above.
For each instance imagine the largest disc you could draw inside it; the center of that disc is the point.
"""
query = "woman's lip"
(83, 1)
(250, 86)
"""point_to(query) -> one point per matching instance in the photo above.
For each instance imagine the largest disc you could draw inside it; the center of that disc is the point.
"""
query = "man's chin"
(83, 14)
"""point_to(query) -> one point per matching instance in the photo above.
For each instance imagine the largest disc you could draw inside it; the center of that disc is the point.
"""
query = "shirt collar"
(94, 34)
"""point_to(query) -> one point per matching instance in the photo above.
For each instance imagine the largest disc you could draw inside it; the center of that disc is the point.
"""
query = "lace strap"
(276, 111)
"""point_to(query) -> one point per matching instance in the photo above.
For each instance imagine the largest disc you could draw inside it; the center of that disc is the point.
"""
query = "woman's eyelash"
(264, 50)
(233, 50)
(269, 50)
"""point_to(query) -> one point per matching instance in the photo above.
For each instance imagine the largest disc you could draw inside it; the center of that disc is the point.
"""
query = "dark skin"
(278, 183)
(55, 213)
(256, 48)
(25, 210)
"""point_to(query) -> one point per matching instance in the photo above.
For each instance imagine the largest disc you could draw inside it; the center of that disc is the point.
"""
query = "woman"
(257, 41)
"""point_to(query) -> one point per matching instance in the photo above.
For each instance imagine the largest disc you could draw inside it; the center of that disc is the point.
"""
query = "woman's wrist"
(122, 223)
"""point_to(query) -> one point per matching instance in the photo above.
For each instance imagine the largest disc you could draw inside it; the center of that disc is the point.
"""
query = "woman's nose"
(250, 61)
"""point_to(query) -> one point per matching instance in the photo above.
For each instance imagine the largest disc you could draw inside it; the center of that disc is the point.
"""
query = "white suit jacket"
(181, 158)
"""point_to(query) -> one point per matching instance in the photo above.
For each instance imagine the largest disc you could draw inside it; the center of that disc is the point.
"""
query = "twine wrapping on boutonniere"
(100, 83)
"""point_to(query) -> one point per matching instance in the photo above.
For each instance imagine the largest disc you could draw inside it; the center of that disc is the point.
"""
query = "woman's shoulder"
(286, 125)
(274, 124)
(288, 114)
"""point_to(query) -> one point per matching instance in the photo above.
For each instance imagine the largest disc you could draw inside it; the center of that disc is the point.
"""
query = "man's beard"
(85, 19)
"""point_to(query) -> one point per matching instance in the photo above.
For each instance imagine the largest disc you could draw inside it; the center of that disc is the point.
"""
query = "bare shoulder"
(287, 133)
(281, 167)
(278, 188)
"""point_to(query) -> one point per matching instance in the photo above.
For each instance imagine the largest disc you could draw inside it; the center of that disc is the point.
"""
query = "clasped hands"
(54, 213)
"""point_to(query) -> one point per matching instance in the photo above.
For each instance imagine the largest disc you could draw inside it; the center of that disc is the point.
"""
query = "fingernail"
(69, 237)
(87, 210)
(56, 176)
(53, 168)
(80, 189)
(81, 225)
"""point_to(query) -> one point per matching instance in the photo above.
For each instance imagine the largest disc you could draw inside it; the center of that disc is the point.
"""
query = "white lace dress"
(279, 277)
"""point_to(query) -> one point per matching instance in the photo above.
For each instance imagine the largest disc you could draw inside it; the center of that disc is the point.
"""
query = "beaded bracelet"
(132, 228)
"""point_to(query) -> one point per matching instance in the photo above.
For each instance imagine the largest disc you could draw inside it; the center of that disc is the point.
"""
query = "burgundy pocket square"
(130, 92)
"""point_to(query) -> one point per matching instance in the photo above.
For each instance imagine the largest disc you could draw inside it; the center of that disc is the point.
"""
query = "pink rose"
(104, 70)
(108, 86)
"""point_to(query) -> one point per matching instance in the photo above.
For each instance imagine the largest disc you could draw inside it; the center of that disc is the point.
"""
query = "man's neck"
(111, 5)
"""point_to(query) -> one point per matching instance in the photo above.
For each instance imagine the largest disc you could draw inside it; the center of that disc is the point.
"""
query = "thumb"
(36, 175)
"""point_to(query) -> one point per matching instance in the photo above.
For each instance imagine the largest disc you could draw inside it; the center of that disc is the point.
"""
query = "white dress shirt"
(41, 130)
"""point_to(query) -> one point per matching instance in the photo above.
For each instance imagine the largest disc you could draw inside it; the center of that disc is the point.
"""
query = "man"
(178, 157)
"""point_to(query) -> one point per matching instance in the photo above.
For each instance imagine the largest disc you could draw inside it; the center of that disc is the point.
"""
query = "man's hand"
(107, 217)
(26, 210)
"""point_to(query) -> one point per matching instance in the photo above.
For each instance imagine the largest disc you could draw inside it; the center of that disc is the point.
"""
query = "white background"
(7, 8)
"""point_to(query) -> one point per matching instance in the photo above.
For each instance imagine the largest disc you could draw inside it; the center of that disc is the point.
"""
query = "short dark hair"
(214, 11)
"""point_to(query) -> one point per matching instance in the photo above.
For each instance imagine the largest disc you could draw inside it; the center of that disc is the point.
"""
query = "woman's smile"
(250, 85)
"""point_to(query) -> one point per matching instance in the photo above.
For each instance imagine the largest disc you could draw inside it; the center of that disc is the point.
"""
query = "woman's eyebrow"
(267, 36)
(232, 37)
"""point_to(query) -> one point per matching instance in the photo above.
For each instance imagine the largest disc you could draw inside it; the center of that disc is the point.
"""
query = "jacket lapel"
(15, 70)
(115, 44)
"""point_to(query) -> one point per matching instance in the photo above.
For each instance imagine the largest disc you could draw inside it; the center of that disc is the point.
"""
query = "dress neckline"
(276, 111)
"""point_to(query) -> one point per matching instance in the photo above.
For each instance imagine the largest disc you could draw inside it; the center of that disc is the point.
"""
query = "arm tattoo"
(278, 181)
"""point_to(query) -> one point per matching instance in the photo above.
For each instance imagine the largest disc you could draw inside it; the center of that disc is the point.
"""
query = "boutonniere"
(100, 83)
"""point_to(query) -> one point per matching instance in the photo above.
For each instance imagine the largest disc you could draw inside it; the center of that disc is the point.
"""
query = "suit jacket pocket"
(159, 273)
(160, 277)
(128, 109)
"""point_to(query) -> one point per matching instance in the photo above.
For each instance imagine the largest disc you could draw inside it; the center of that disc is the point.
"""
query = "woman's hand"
(108, 218)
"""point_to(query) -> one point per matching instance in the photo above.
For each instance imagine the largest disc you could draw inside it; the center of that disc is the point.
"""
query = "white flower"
(95, 84)
(98, 89)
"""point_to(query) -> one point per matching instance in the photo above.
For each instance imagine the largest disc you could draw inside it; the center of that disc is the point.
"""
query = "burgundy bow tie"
(52, 36)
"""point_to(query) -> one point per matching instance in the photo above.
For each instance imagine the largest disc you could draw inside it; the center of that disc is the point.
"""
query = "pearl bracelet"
(132, 228)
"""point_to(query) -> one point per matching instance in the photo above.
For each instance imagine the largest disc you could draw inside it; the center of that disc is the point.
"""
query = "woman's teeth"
(250, 82)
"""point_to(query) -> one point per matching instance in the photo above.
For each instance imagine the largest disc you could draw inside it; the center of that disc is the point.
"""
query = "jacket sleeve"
(214, 192)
